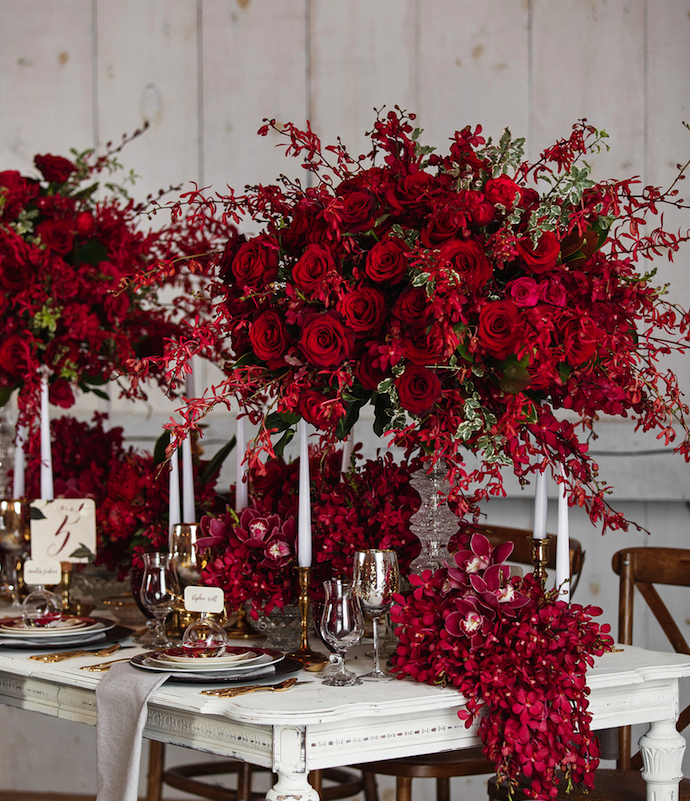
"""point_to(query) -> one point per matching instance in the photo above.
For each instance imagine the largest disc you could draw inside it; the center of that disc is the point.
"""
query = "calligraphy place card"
(42, 573)
(63, 529)
(204, 599)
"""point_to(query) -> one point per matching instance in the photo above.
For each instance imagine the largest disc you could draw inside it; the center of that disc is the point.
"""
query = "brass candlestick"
(304, 654)
(540, 558)
(242, 630)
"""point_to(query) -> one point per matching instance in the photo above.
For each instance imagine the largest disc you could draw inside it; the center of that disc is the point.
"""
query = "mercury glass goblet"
(376, 579)
(342, 626)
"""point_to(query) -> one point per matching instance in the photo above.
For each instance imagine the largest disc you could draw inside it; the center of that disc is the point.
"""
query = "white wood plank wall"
(204, 73)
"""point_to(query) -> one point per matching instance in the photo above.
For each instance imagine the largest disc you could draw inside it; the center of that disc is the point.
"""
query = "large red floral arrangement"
(254, 558)
(467, 296)
(129, 487)
(517, 654)
(65, 250)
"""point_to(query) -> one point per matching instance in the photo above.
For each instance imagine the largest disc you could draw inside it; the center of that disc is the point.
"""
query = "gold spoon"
(58, 657)
(233, 692)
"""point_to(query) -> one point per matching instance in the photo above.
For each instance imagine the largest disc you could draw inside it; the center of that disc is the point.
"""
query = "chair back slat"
(661, 613)
(642, 568)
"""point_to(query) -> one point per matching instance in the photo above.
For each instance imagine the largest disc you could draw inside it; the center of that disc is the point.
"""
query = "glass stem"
(375, 621)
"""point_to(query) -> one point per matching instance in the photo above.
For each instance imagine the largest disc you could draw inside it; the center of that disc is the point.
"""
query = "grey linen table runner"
(121, 703)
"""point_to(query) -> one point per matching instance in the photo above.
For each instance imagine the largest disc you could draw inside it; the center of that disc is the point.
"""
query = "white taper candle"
(19, 464)
(304, 517)
(188, 508)
(540, 501)
(174, 492)
(563, 543)
(241, 486)
(46, 451)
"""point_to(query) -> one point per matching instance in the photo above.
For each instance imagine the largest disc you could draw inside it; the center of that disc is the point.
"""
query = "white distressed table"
(313, 726)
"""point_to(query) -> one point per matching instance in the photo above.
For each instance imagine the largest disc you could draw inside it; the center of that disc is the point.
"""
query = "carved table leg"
(292, 787)
(662, 750)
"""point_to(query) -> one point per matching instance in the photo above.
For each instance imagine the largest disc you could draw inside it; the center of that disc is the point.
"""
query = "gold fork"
(103, 666)
(58, 657)
(233, 692)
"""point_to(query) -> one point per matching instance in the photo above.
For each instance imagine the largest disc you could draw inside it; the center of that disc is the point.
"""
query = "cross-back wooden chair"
(471, 761)
(639, 568)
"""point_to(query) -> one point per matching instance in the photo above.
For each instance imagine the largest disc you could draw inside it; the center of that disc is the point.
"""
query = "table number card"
(63, 529)
(204, 599)
(42, 572)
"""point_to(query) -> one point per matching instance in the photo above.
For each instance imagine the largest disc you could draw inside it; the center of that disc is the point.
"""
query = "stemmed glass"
(342, 626)
(376, 579)
(14, 541)
(159, 590)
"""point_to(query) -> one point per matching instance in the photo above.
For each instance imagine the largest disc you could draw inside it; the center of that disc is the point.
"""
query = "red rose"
(369, 372)
(17, 192)
(312, 268)
(256, 263)
(524, 291)
(387, 262)
(56, 235)
(541, 257)
(269, 479)
(503, 191)
(55, 169)
(467, 259)
(356, 209)
(307, 227)
(4, 303)
(14, 355)
(319, 410)
(60, 393)
(497, 329)
(580, 338)
(412, 307)
(479, 211)
(270, 339)
(325, 342)
(412, 193)
(434, 346)
(228, 256)
(364, 310)
(84, 224)
(418, 389)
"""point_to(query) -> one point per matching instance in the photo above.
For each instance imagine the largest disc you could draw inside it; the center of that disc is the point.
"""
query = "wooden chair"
(639, 568)
(471, 761)
(331, 784)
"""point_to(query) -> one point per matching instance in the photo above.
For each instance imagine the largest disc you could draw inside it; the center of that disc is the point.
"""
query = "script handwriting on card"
(63, 529)
(204, 599)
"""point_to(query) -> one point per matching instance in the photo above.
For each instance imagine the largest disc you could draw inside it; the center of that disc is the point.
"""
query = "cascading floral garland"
(516, 653)
(467, 296)
(64, 254)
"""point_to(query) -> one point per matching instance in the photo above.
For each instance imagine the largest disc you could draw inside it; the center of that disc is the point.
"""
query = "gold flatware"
(103, 666)
(233, 692)
(58, 657)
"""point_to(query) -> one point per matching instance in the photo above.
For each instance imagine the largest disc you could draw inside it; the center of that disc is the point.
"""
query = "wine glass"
(376, 578)
(342, 626)
(159, 590)
(183, 553)
(14, 541)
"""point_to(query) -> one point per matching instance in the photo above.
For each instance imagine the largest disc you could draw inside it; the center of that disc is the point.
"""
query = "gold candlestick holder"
(304, 653)
(540, 558)
(242, 630)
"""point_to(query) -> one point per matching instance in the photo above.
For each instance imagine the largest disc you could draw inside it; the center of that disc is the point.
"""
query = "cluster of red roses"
(516, 653)
(129, 487)
(254, 558)
(64, 310)
(451, 293)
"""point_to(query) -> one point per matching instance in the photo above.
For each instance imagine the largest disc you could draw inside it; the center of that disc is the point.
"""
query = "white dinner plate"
(153, 661)
(232, 656)
(16, 628)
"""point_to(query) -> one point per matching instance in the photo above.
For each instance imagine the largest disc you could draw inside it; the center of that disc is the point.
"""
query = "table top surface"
(312, 702)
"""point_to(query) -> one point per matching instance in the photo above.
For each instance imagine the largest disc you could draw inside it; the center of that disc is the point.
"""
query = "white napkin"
(121, 705)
